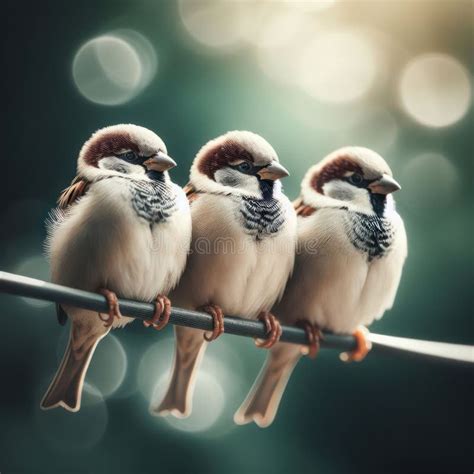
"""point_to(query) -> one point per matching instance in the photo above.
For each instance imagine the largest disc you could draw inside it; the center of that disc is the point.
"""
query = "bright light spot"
(34, 267)
(337, 66)
(279, 28)
(310, 5)
(218, 24)
(435, 90)
(114, 68)
(459, 352)
(108, 367)
(280, 39)
(155, 363)
(429, 181)
(107, 70)
(74, 432)
(208, 403)
(218, 386)
(145, 51)
(227, 24)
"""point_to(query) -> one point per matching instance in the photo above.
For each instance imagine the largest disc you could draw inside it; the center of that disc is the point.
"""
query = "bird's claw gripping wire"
(273, 328)
(314, 335)
(363, 346)
(218, 319)
(114, 308)
(162, 313)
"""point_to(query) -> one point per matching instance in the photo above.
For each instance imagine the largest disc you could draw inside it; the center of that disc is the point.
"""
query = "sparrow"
(351, 249)
(242, 251)
(121, 228)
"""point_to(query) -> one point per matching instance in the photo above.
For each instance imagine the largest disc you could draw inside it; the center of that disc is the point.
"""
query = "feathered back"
(73, 192)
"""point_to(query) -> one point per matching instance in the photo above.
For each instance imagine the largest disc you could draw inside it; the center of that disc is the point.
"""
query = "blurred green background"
(310, 77)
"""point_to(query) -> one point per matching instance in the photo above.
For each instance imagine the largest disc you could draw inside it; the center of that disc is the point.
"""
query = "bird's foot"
(314, 335)
(114, 308)
(218, 318)
(162, 313)
(362, 349)
(273, 328)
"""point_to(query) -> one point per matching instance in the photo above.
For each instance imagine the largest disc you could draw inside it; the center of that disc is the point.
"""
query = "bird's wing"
(73, 192)
(67, 198)
(302, 209)
(191, 192)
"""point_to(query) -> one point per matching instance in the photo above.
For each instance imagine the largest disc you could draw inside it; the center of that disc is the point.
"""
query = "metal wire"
(38, 289)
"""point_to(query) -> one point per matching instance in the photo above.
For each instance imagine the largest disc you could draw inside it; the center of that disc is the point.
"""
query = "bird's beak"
(385, 185)
(273, 171)
(160, 162)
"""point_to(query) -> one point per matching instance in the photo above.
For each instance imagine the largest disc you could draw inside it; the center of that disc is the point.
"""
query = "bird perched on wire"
(351, 249)
(244, 237)
(122, 227)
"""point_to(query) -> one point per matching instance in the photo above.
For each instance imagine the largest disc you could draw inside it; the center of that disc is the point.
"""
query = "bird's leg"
(314, 336)
(114, 308)
(218, 317)
(162, 313)
(273, 328)
(362, 349)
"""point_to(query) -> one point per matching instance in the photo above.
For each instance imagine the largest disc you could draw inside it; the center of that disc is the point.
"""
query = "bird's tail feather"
(66, 388)
(190, 348)
(261, 404)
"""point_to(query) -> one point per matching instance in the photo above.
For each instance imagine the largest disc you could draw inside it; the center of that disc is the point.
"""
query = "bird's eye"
(129, 156)
(244, 167)
(356, 179)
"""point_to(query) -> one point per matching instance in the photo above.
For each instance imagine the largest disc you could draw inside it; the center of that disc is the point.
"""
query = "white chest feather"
(238, 262)
(110, 239)
(342, 277)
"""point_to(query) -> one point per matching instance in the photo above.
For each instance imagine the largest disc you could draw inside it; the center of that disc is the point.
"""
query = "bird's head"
(353, 177)
(124, 150)
(239, 163)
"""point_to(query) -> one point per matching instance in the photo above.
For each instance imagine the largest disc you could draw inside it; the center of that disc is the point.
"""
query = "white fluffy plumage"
(243, 247)
(351, 249)
(128, 231)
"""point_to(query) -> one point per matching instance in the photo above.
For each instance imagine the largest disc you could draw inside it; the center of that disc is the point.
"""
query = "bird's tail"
(261, 404)
(190, 348)
(66, 388)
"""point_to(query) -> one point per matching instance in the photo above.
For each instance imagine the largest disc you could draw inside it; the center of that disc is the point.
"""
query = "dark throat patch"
(370, 234)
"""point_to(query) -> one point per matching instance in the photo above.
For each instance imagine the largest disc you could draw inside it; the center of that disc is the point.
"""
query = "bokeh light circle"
(280, 40)
(145, 51)
(155, 362)
(310, 6)
(218, 387)
(107, 70)
(429, 181)
(114, 68)
(338, 66)
(108, 367)
(279, 28)
(435, 90)
(218, 24)
(208, 403)
(35, 266)
(74, 431)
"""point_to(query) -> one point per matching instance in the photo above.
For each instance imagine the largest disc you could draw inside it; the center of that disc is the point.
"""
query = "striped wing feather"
(73, 192)
(191, 193)
(302, 209)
